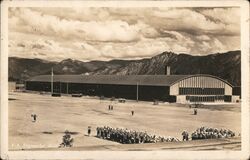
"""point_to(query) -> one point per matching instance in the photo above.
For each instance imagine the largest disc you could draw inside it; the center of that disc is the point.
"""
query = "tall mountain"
(225, 65)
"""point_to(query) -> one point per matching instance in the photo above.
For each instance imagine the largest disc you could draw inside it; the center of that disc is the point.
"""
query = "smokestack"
(167, 72)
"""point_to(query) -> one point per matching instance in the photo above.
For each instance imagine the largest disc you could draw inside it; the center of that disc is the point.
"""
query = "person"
(109, 107)
(195, 111)
(98, 132)
(132, 112)
(89, 130)
(34, 116)
(184, 135)
(187, 136)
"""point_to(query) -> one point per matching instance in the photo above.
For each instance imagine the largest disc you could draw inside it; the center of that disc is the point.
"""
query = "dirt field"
(57, 114)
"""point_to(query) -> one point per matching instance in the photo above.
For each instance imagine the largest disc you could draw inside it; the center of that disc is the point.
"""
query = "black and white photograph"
(116, 76)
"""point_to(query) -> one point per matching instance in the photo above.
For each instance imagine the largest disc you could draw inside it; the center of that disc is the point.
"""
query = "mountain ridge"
(224, 65)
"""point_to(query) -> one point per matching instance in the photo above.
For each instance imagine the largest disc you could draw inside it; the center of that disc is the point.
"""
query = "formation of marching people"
(211, 133)
(126, 136)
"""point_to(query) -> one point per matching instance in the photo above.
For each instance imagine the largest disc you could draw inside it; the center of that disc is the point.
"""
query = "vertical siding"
(202, 82)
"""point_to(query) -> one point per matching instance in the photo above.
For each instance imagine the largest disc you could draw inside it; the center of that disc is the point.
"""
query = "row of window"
(205, 98)
(201, 91)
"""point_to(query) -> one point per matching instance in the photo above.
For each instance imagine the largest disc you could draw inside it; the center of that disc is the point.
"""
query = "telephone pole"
(52, 77)
(67, 88)
(137, 94)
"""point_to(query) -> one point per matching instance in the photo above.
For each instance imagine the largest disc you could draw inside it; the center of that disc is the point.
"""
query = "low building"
(167, 88)
(11, 86)
(20, 87)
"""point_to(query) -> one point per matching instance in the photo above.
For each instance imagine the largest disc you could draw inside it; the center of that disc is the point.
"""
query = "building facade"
(167, 88)
(202, 88)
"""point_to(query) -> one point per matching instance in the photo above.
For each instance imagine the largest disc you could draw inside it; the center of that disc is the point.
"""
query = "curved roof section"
(147, 80)
(203, 75)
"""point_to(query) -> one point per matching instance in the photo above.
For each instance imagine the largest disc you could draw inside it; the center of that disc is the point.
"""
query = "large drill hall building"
(167, 88)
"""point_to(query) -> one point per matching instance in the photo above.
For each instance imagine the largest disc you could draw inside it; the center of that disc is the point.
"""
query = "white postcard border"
(243, 154)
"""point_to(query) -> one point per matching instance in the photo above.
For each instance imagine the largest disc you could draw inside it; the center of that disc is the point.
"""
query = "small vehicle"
(56, 94)
(121, 100)
(77, 95)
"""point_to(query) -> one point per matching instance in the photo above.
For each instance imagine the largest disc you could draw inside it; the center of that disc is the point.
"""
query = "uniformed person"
(35, 116)
(195, 111)
(89, 130)
(184, 136)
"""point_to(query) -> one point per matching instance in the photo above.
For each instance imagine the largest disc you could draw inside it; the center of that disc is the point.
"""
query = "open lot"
(57, 114)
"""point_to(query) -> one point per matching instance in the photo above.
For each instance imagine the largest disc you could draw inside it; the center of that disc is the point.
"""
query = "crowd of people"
(126, 136)
(211, 133)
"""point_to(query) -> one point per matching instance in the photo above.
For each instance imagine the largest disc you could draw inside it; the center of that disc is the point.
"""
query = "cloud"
(20, 45)
(203, 37)
(193, 22)
(125, 33)
(114, 30)
(110, 31)
(38, 46)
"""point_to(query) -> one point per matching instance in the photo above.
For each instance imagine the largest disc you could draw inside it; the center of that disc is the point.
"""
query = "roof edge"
(205, 75)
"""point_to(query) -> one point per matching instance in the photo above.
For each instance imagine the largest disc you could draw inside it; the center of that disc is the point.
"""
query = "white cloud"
(218, 45)
(203, 37)
(86, 30)
(106, 33)
(225, 15)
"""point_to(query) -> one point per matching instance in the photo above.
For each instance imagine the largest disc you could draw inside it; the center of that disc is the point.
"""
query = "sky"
(120, 33)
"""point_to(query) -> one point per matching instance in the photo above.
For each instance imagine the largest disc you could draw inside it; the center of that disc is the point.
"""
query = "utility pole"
(67, 88)
(137, 94)
(60, 87)
(52, 77)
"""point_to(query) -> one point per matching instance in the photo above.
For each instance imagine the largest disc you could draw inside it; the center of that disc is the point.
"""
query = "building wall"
(201, 88)
(181, 99)
(174, 89)
(228, 90)
(11, 86)
(145, 93)
(235, 99)
(237, 90)
(196, 88)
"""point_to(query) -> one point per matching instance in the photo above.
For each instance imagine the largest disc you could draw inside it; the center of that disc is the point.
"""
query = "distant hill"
(22, 68)
(224, 65)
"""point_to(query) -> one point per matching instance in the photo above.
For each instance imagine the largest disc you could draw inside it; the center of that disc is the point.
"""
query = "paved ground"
(57, 114)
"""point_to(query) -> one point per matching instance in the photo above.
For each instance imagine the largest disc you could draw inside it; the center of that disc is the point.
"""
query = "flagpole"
(52, 77)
